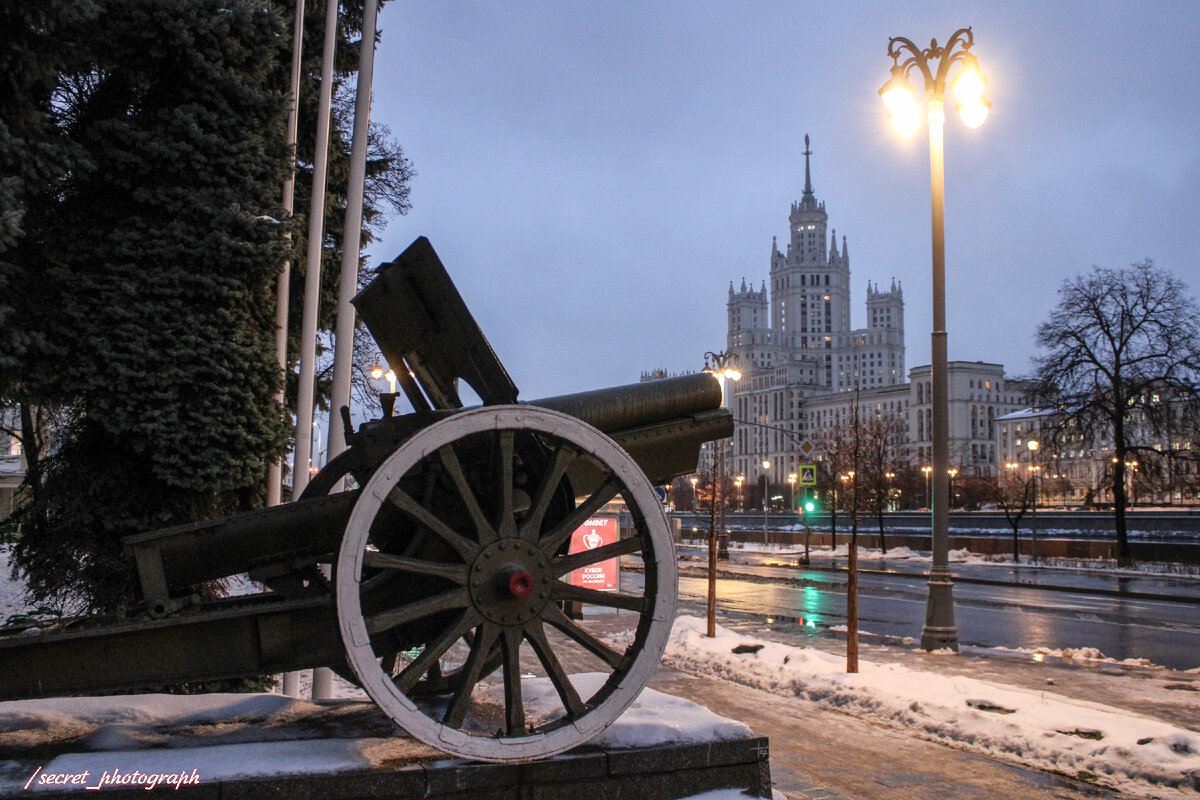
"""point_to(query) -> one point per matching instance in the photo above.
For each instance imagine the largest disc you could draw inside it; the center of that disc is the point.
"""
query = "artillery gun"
(446, 533)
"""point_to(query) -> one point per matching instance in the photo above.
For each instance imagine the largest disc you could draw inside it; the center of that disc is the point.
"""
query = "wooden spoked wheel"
(460, 540)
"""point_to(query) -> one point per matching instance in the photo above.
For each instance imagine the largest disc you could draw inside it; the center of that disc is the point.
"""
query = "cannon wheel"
(504, 583)
(434, 682)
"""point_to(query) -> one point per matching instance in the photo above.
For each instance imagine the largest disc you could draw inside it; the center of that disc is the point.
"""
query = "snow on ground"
(217, 737)
(1039, 729)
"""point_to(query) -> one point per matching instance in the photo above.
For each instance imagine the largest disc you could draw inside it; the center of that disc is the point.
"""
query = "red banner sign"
(594, 533)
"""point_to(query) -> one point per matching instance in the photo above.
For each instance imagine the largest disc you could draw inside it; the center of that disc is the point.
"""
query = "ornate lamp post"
(723, 365)
(934, 64)
(1033, 445)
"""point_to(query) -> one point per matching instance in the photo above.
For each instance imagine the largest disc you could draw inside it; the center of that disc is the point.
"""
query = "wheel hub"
(509, 581)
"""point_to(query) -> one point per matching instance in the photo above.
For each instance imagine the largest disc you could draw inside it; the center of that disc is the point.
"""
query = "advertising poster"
(596, 532)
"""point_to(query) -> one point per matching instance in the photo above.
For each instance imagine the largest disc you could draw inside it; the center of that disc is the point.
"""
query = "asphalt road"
(809, 602)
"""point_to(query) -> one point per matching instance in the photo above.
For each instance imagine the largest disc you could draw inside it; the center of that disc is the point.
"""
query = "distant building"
(12, 461)
(1075, 467)
(804, 368)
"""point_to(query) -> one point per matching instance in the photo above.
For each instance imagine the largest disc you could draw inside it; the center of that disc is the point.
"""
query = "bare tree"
(1014, 496)
(1120, 346)
(882, 460)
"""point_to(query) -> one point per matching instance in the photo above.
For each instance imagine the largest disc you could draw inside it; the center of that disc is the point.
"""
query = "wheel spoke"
(565, 591)
(440, 569)
(403, 501)
(535, 632)
(532, 524)
(551, 542)
(514, 706)
(586, 558)
(506, 525)
(434, 650)
(472, 670)
(425, 607)
(554, 615)
(450, 461)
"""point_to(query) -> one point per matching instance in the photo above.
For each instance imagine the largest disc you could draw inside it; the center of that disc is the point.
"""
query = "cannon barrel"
(661, 423)
(637, 404)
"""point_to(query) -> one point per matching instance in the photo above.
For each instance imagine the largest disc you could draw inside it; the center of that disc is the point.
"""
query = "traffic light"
(809, 506)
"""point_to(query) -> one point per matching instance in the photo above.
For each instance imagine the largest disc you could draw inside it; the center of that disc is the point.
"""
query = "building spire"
(808, 192)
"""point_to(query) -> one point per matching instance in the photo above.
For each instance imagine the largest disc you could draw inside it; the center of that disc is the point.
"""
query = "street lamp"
(928, 499)
(890, 496)
(723, 366)
(952, 472)
(792, 481)
(1033, 471)
(738, 481)
(695, 498)
(899, 97)
(766, 465)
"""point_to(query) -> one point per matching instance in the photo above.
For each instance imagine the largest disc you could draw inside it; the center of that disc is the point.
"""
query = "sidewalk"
(818, 752)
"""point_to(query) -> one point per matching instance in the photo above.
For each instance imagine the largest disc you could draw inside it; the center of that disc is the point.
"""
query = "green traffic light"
(810, 505)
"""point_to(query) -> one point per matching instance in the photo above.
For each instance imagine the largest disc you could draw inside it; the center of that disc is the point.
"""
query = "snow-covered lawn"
(1039, 729)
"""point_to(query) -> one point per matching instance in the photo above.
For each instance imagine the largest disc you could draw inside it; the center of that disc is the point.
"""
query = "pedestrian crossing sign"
(808, 475)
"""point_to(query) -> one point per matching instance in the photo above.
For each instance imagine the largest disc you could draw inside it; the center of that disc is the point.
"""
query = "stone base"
(664, 772)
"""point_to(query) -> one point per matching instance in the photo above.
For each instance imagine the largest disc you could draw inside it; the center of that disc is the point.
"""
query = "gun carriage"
(445, 535)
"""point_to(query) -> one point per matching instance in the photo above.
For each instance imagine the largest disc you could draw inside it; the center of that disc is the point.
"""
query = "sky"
(594, 175)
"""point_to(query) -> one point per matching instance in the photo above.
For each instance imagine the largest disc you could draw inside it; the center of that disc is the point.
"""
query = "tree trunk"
(833, 525)
(882, 540)
(1124, 556)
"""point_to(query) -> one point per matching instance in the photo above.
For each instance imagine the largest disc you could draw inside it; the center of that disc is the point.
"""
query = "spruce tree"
(162, 332)
(138, 237)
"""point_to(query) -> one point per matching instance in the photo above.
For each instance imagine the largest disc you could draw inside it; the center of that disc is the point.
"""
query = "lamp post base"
(939, 632)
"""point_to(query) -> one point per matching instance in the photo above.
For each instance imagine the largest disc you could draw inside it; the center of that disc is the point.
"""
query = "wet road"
(810, 601)
(1183, 586)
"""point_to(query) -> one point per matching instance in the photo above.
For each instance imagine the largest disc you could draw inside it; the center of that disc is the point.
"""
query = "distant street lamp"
(792, 480)
(1033, 471)
(891, 498)
(952, 472)
(766, 465)
(723, 366)
(900, 99)
(695, 498)
(928, 499)
(738, 481)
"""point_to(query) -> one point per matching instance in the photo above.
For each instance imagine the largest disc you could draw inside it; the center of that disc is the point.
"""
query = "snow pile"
(1087, 655)
(1039, 729)
(219, 737)
(158, 734)
(653, 719)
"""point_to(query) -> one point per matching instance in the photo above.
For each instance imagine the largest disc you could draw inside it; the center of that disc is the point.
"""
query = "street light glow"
(974, 114)
(968, 87)
(898, 95)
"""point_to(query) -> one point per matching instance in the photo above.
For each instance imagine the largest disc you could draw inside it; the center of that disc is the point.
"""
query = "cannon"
(427, 563)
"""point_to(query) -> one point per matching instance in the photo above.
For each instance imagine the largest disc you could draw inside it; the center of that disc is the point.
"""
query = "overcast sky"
(595, 174)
